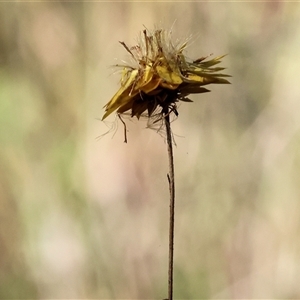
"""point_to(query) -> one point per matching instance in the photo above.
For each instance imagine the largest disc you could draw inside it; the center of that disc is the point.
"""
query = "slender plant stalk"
(172, 205)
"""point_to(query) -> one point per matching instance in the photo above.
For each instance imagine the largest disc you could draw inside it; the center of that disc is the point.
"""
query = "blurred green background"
(82, 217)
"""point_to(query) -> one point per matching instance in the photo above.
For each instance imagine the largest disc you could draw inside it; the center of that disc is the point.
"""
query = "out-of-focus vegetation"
(88, 218)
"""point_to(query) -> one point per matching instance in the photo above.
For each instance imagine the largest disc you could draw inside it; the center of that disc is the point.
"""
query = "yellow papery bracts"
(163, 76)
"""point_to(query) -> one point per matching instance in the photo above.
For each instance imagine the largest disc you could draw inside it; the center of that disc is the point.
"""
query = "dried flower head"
(162, 77)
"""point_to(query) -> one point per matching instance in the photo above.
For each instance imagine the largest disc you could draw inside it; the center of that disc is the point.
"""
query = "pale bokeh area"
(83, 217)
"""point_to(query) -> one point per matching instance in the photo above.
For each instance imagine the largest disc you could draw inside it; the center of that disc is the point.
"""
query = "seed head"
(162, 77)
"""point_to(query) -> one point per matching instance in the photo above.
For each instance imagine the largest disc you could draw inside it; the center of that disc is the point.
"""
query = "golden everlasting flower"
(163, 76)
